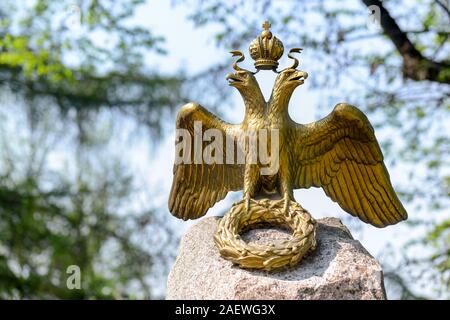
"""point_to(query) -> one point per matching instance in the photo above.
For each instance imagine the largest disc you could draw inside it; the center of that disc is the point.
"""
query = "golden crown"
(266, 49)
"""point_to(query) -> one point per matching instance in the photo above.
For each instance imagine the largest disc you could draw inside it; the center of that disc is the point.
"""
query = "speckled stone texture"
(340, 268)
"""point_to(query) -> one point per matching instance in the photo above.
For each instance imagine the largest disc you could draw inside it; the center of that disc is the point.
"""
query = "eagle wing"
(198, 186)
(341, 154)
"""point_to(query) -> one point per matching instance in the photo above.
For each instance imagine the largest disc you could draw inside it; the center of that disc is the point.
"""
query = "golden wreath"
(265, 257)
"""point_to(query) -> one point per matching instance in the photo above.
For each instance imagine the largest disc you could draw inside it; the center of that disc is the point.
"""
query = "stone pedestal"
(340, 268)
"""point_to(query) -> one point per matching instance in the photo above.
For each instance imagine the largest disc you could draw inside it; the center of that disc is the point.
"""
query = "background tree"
(70, 73)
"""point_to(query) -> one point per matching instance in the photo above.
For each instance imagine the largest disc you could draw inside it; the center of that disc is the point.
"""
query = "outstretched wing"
(198, 186)
(341, 154)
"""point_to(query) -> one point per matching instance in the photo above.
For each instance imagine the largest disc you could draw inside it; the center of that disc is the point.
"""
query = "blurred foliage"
(64, 67)
(404, 61)
(44, 232)
(84, 55)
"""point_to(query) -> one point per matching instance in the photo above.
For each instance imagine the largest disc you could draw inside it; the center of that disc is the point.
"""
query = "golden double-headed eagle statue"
(338, 153)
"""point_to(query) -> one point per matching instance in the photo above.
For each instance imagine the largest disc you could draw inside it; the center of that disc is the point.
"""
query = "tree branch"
(415, 65)
(443, 7)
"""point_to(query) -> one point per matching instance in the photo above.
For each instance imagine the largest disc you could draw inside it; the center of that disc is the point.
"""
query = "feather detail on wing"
(341, 154)
(197, 185)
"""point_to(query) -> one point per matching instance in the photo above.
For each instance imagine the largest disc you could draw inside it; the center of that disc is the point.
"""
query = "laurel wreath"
(265, 257)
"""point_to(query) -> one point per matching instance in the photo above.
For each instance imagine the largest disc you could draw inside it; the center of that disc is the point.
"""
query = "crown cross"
(266, 49)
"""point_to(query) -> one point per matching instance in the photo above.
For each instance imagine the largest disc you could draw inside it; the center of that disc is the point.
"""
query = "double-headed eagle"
(339, 153)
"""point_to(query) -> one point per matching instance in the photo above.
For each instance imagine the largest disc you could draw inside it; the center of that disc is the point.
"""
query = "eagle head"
(289, 79)
(241, 79)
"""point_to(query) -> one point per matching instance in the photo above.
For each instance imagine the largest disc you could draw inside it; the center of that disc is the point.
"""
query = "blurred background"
(89, 91)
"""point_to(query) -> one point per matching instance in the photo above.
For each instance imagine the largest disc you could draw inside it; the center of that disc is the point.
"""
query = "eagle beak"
(299, 77)
(233, 79)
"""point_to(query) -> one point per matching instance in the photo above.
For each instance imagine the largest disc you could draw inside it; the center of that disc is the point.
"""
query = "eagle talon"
(247, 204)
(286, 205)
